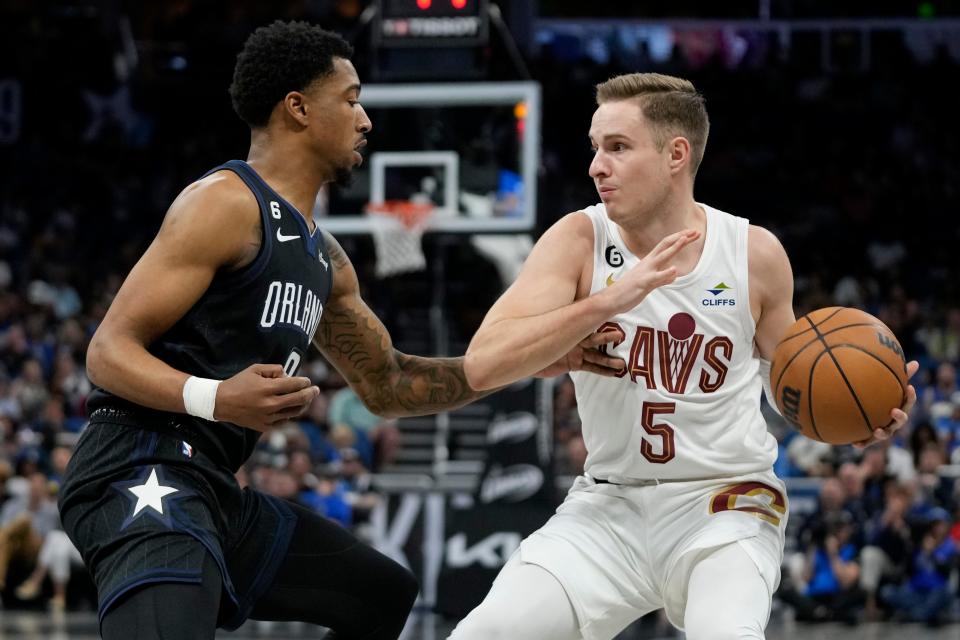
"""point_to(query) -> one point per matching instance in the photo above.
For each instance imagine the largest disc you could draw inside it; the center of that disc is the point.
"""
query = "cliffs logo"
(720, 292)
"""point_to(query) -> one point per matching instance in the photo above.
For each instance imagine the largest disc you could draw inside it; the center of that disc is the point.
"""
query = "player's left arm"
(392, 384)
(771, 300)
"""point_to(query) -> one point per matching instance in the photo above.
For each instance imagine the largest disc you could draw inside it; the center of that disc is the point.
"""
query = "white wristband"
(200, 396)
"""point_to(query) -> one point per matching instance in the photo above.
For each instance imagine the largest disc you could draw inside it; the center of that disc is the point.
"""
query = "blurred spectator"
(830, 504)
(920, 435)
(927, 593)
(325, 495)
(898, 462)
(9, 405)
(811, 457)
(886, 557)
(57, 558)
(375, 438)
(942, 342)
(875, 479)
(943, 388)
(851, 478)
(30, 389)
(25, 522)
(59, 459)
(831, 575)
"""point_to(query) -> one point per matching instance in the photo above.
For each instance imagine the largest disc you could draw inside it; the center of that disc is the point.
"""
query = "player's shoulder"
(763, 245)
(216, 214)
(575, 227)
(220, 193)
(766, 257)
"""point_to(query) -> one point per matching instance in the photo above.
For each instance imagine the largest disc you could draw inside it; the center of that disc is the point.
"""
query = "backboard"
(472, 149)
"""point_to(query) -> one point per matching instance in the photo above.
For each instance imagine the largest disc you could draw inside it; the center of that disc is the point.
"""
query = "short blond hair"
(672, 106)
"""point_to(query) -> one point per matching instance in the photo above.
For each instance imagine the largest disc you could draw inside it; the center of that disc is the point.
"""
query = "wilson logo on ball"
(892, 345)
(790, 404)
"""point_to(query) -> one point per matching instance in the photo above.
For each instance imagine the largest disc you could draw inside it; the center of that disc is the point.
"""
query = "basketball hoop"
(397, 234)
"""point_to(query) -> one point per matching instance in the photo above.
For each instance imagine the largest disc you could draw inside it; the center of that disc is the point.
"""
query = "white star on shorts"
(150, 494)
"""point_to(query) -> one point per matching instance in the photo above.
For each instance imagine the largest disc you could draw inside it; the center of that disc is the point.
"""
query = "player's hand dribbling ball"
(837, 374)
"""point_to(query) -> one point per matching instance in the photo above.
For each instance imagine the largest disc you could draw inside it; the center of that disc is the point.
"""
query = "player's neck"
(297, 181)
(642, 233)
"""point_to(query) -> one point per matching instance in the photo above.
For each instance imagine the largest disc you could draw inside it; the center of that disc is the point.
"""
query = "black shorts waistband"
(179, 426)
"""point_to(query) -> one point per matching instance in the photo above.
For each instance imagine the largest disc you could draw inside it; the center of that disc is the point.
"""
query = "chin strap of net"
(397, 236)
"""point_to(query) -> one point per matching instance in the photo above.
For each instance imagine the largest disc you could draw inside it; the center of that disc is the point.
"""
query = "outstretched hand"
(586, 356)
(899, 416)
(654, 270)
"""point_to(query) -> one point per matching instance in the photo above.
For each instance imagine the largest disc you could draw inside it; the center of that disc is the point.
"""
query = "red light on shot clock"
(423, 5)
(458, 4)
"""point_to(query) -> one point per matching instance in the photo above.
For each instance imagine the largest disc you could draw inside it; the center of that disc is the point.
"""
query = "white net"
(397, 237)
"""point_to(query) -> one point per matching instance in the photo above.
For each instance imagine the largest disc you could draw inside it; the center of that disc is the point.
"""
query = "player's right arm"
(539, 318)
(214, 224)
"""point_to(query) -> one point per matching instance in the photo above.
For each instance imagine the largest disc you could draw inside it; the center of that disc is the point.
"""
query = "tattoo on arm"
(429, 385)
(337, 255)
(389, 382)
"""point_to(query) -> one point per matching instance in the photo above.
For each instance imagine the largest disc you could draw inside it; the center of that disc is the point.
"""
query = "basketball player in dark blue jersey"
(198, 355)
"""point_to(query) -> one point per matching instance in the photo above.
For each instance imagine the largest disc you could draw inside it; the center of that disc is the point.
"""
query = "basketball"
(837, 374)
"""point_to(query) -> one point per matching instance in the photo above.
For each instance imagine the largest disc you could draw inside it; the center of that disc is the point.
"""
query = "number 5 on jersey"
(648, 413)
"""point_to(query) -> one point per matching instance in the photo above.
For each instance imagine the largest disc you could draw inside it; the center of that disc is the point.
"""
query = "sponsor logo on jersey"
(291, 305)
(722, 296)
(613, 256)
(669, 358)
(281, 237)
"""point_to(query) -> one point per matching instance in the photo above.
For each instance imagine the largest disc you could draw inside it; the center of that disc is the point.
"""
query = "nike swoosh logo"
(283, 238)
(610, 280)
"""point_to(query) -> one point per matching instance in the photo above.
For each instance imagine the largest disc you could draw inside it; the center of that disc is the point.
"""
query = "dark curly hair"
(278, 59)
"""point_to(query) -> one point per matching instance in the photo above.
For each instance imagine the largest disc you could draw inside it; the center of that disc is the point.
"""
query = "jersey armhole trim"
(225, 281)
(743, 265)
(596, 277)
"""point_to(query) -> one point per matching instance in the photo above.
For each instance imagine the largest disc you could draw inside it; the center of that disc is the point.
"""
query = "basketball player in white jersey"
(679, 507)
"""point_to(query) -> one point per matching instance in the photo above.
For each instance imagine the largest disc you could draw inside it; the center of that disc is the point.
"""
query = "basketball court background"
(480, 115)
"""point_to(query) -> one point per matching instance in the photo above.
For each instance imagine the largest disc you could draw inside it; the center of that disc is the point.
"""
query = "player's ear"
(679, 148)
(295, 107)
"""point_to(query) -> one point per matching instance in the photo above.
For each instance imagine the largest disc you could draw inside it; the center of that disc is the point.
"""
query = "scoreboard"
(417, 23)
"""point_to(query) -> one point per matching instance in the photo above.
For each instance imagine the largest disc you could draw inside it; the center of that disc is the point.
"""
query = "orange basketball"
(837, 374)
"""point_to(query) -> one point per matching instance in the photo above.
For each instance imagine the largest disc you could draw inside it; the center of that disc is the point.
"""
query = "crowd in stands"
(856, 172)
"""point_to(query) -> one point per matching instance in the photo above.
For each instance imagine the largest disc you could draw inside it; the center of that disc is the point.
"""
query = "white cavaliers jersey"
(688, 404)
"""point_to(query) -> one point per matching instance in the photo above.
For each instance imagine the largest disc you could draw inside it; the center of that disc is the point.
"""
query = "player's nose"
(598, 166)
(364, 125)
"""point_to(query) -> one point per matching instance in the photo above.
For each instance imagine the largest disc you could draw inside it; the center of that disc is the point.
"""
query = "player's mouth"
(356, 150)
(605, 191)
